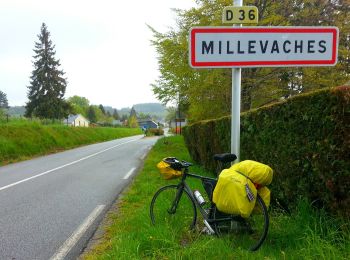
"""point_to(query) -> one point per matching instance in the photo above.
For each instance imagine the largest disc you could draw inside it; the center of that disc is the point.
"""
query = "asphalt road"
(50, 206)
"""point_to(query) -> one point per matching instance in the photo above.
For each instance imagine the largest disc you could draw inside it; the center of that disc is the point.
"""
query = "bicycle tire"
(182, 217)
(249, 232)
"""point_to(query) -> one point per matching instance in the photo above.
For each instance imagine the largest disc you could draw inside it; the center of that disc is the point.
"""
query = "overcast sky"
(103, 46)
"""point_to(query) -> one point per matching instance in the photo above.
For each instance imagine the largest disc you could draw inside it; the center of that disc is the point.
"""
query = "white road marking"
(129, 173)
(77, 234)
(60, 167)
(145, 154)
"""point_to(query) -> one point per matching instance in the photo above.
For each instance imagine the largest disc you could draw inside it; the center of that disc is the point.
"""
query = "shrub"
(154, 132)
(305, 140)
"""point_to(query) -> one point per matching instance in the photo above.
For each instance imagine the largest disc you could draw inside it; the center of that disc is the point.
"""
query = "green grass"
(21, 140)
(305, 234)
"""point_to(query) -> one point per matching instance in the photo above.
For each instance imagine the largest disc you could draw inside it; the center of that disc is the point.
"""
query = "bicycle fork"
(173, 207)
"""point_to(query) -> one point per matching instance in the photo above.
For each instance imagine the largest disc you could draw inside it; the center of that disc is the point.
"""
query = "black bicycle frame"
(183, 185)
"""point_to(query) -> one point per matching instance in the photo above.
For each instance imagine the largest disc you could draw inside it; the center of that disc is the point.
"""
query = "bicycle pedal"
(208, 229)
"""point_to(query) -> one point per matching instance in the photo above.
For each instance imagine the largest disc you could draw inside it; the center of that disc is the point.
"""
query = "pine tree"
(115, 114)
(102, 109)
(3, 100)
(47, 85)
(133, 112)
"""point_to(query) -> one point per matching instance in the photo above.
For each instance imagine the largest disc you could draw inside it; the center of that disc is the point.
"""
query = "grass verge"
(305, 234)
(23, 141)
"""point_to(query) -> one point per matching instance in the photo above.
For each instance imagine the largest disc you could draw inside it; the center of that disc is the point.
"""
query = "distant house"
(147, 124)
(77, 120)
(117, 123)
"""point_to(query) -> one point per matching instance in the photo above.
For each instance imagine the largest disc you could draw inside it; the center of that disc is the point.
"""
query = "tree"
(171, 114)
(102, 109)
(80, 105)
(206, 93)
(3, 100)
(132, 122)
(91, 114)
(133, 113)
(48, 85)
(115, 114)
(124, 117)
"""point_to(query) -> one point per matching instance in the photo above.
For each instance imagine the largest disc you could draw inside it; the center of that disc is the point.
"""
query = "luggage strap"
(244, 175)
(257, 186)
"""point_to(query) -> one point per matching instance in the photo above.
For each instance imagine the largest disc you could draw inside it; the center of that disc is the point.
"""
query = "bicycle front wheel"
(247, 233)
(172, 207)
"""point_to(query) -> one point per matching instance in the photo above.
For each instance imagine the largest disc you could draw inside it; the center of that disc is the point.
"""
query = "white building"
(77, 120)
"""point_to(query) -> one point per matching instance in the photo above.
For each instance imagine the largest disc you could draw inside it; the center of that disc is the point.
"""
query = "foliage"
(3, 105)
(128, 233)
(95, 114)
(2, 116)
(102, 109)
(154, 132)
(91, 114)
(171, 114)
(25, 139)
(115, 114)
(132, 122)
(304, 139)
(3, 100)
(133, 112)
(196, 90)
(47, 85)
(80, 105)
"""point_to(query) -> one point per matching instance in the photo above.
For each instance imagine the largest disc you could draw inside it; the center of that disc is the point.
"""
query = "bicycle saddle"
(225, 157)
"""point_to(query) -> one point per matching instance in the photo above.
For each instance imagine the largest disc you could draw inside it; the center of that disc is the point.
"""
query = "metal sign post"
(236, 104)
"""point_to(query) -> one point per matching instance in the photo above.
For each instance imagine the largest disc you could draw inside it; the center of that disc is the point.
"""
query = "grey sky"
(104, 46)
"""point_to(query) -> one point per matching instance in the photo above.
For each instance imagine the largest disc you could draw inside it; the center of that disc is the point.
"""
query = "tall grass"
(305, 234)
(22, 139)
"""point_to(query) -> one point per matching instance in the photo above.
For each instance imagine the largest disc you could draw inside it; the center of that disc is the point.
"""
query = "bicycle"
(176, 205)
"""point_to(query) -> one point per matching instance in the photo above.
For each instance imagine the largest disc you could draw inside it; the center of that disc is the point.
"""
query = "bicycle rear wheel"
(172, 207)
(249, 232)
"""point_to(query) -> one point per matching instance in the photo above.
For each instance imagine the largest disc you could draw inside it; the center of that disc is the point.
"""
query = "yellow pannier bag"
(234, 194)
(259, 173)
(168, 172)
(265, 194)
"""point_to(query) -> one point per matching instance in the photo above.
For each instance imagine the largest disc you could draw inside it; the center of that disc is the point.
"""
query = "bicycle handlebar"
(177, 164)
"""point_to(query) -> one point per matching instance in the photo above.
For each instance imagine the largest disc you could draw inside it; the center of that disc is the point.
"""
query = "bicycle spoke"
(180, 216)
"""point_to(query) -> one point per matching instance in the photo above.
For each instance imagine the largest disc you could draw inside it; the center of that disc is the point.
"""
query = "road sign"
(263, 46)
(240, 15)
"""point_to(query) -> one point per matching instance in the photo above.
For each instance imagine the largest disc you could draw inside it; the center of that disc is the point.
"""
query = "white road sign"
(230, 47)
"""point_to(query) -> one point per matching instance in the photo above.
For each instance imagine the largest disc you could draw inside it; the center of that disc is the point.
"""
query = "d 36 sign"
(240, 15)
(263, 46)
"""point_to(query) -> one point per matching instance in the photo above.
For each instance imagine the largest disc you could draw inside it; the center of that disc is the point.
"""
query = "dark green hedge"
(305, 140)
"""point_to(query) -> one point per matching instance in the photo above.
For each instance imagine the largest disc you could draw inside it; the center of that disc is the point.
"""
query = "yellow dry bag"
(259, 173)
(166, 171)
(234, 193)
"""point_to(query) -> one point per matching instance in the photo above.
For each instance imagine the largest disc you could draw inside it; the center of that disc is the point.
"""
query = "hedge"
(305, 139)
